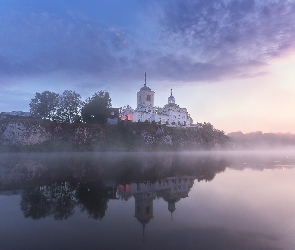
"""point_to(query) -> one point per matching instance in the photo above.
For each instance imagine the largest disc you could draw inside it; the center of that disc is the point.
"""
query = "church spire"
(145, 79)
(171, 99)
(143, 229)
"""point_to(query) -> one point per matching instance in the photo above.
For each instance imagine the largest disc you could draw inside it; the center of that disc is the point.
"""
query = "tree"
(44, 105)
(95, 109)
(69, 107)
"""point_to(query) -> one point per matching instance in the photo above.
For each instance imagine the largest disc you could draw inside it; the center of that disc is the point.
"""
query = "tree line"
(69, 108)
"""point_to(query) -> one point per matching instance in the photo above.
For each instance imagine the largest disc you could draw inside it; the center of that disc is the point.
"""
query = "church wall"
(176, 185)
(145, 98)
(171, 114)
(173, 117)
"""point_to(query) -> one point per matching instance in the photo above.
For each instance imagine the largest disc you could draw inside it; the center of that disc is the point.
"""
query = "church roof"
(145, 88)
(143, 221)
(171, 98)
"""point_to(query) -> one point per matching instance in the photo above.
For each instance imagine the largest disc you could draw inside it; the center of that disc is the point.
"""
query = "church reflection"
(56, 188)
(170, 189)
(59, 200)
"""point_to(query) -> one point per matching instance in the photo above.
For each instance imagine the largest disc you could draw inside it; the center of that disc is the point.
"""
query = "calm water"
(238, 200)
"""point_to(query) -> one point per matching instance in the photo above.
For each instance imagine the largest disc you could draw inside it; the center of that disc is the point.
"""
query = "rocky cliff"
(46, 135)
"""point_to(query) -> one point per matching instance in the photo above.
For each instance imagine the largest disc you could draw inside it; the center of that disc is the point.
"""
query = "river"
(169, 200)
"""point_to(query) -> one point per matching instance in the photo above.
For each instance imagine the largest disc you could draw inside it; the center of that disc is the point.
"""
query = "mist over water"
(148, 200)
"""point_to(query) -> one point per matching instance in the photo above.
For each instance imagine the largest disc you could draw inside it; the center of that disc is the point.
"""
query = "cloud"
(42, 43)
(226, 39)
(230, 31)
(188, 42)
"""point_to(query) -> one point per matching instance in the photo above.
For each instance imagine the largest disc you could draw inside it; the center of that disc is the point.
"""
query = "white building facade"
(170, 114)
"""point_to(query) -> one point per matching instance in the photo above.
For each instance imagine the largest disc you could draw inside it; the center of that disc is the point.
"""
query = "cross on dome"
(144, 85)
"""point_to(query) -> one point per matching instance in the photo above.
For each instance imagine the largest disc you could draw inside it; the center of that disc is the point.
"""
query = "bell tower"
(145, 96)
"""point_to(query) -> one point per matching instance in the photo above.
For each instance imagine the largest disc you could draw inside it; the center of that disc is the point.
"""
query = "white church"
(170, 114)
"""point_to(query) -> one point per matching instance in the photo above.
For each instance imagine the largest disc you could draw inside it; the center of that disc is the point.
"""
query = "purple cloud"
(230, 31)
(189, 41)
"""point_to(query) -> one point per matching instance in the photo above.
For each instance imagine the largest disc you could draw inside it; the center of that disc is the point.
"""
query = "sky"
(229, 62)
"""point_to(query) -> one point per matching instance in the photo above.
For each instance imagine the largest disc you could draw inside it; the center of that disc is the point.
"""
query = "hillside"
(39, 135)
(258, 139)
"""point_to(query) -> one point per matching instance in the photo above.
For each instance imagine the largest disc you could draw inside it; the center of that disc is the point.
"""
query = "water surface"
(223, 200)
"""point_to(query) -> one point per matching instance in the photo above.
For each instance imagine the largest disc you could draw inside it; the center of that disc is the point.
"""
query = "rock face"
(23, 134)
(134, 136)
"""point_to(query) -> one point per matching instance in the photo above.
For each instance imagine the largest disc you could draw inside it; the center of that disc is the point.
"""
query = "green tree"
(69, 107)
(95, 109)
(44, 105)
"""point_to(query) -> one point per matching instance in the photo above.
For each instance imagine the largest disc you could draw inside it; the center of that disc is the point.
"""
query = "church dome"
(171, 99)
(143, 221)
(145, 88)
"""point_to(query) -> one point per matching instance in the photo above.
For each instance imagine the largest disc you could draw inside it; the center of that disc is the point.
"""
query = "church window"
(112, 113)
(138, 187)
(148, 98)
(140, 98)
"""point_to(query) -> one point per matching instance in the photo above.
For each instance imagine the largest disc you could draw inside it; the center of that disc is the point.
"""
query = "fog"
(262, 141)
(134, 166)
(237, 198)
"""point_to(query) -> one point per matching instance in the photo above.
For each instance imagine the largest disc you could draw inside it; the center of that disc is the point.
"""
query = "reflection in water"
(88, 183)
(157, 188)
(170, 189)
(92, 198)
(55, 200)
(60, 199)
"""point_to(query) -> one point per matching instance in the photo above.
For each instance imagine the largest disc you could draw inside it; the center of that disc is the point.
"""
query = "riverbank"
(39, 135)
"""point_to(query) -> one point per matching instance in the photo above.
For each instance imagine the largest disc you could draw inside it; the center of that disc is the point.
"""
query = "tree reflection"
(57, 200)
(70, 182)
(62, 198)
(35, 204)
(92, 198)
